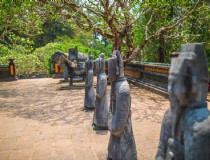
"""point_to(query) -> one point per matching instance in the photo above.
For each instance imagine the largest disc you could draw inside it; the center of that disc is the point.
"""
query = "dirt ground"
(40, 122)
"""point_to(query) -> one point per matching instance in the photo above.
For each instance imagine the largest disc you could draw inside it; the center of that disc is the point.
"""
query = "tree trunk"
(116, 44)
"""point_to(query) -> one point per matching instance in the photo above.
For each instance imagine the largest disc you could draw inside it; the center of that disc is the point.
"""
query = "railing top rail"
(150, 64)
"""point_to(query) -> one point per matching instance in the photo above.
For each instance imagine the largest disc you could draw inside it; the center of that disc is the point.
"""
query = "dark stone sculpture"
(165, 134)
(72, 64)
(89, 88)
(73, 54)
(185, 132)
(121, 144)
(65, 73)
(78, 58)
(68, 66)
(100, 118)
(55, 59)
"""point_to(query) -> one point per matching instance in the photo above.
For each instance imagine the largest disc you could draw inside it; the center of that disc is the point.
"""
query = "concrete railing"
(152, 74)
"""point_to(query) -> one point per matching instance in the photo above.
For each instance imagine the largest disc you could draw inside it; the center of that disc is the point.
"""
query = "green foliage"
(99, 47)
(51, 30)
(166, 13)
(61, 44)
(25, 63)
(18, 19)
(30, 34)
(38, 60)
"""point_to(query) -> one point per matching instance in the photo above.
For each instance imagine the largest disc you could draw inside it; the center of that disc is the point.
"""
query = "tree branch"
(99, 14)
(161, 31)
(148, 23)
(105, 34)
(76, 9)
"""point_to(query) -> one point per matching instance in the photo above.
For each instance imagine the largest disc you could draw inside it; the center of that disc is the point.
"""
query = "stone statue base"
(75, 86)
(98, 128)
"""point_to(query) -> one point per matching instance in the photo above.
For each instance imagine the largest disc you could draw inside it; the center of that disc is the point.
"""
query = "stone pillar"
(12, 69)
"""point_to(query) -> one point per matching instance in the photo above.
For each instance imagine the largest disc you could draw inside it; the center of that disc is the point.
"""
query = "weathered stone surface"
(74, 55)
(65, 72)
(121, 144)
(72, 63)
(165, 134)
(186, 127)
(55, 58)
(100, 118)
(89, 88)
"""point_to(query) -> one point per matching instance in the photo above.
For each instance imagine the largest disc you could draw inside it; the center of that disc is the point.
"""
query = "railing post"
(141, 72)
(12, 68)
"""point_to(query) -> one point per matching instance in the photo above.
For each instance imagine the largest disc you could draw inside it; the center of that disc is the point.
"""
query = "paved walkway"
(40, 122)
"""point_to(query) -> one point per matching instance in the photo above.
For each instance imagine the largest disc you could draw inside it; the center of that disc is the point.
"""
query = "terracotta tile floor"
(40, 122)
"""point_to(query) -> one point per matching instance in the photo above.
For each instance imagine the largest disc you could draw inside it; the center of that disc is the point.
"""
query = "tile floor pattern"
(40, 122)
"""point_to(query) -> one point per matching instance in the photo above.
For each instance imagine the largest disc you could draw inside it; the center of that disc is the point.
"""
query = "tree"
(52, 29)
(113, 17)
(165, 13)
(171, 28)
(118, 19)
(18, 20)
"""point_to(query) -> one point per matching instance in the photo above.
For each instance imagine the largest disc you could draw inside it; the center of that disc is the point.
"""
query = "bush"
(39, 60)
